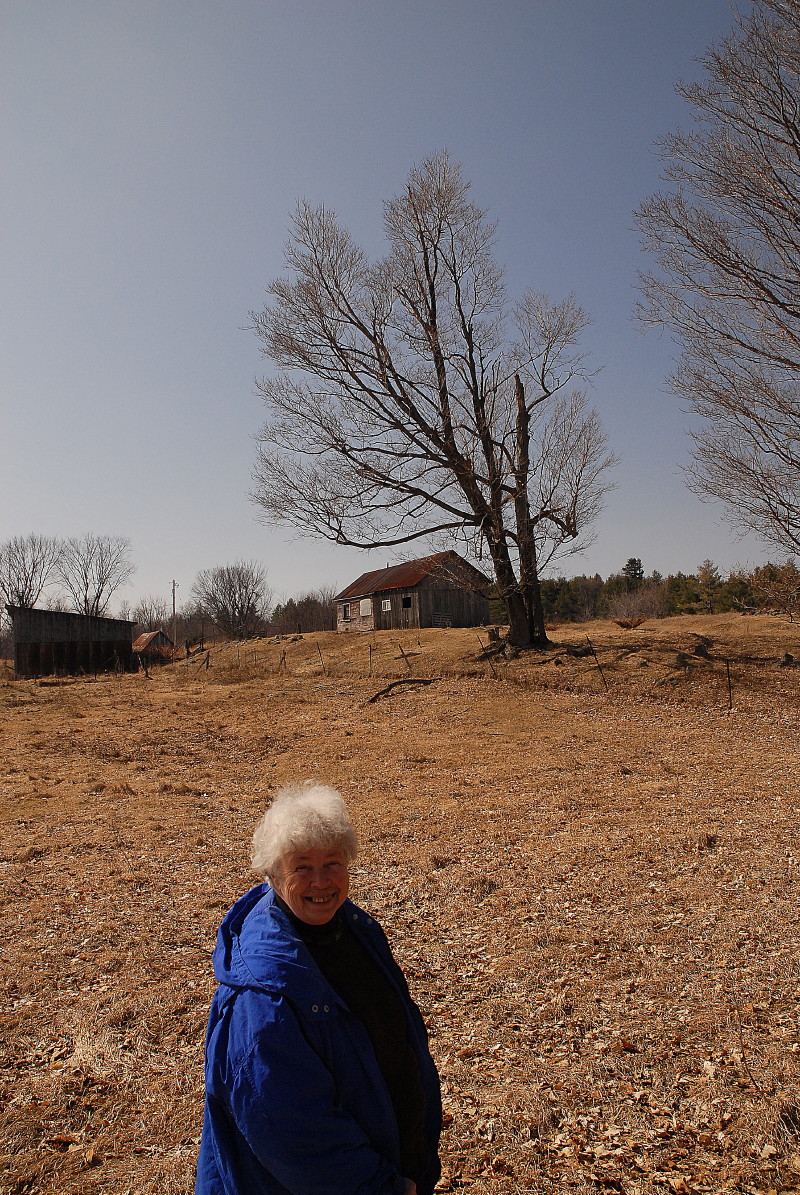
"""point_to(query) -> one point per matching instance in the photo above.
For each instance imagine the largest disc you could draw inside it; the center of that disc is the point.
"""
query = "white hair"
(302, 816)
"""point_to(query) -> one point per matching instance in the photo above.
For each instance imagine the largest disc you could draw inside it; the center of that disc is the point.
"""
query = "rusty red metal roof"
(397, 576)
(147, 638)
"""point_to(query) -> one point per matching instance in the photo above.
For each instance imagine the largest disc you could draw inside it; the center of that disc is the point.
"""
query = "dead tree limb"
(406, 680)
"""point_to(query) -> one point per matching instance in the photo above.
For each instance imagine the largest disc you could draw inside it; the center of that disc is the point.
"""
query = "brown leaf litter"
(593, 892)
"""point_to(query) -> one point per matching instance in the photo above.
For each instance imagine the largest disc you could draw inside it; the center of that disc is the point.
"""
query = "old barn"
(154, 647)
(53, 641)
(443, 590)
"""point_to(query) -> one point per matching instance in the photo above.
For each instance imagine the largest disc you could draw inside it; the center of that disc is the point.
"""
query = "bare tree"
(427, 405)
(152, 613)
(727, 240)
(92, 568)
(235, 597)
(777, 587)
(27, 564)
(193, 624)
(6, 641)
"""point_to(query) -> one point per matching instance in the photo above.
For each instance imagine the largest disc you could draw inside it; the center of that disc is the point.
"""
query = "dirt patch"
(588, 867)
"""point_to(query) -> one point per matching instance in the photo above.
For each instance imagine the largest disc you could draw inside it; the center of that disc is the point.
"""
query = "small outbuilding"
(54, 641)
(443, 590)
(153, 647)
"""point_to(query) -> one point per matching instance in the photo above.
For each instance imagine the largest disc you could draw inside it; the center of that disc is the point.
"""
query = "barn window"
(407, 602)
(345, 611)
(366, 607)
(386, 605)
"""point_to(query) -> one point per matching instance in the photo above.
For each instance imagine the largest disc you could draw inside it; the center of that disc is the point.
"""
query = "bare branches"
(727, 240)
(152, 613)
(92, 568)
(398, 415)
(235, 597)
(27, 565)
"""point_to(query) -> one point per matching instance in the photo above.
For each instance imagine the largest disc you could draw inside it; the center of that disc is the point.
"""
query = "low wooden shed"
(54, 641)
(443, 590)
(154, 647)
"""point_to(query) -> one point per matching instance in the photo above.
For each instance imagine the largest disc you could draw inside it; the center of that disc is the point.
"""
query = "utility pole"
(174, 587)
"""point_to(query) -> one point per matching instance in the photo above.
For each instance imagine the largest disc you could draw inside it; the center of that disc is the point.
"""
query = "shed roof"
(399, 576)
(147, 638)
(30, 619)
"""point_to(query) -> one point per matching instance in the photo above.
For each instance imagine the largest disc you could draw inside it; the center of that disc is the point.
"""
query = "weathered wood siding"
(360, 615)
(438, 600)
(403, 611)
(53, 641)
(443, 604)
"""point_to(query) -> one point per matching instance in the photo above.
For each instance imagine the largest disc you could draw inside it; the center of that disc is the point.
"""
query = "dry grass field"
(588, 867)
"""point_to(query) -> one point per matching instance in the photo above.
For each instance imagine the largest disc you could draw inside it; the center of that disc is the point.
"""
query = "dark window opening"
(407, 602)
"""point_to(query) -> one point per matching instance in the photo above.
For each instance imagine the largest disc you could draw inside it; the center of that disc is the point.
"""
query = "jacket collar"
(258, 947)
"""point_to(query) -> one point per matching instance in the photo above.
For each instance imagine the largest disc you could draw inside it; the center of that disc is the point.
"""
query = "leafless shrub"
(777, 588)
(646, 601)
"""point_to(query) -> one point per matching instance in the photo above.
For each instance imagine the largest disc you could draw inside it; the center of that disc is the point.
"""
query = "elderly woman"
(318, 1076)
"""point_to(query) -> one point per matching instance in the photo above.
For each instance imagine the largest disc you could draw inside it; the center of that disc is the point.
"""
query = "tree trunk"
(521, 598)
(526, 619)
(525, 614)
(536, 616)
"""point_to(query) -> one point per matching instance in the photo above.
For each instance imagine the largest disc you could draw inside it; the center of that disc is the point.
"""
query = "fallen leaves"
(594, 899)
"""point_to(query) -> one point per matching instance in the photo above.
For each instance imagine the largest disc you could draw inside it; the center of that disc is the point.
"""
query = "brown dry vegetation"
(593, 892)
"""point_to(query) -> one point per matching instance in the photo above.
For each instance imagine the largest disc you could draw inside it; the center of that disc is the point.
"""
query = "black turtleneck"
(357, 979)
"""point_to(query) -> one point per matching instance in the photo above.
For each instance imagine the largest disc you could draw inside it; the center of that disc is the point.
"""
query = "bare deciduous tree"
(777, 587)
(727, 239)
(152, 613)
(235, 597)
(426, 405)
(92, 568)
(27, 564)
(193, 623)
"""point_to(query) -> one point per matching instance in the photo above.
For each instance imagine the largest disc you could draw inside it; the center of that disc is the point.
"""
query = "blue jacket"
(295, 1101)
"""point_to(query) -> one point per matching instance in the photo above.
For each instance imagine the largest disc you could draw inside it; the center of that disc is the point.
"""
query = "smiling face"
(313, 883)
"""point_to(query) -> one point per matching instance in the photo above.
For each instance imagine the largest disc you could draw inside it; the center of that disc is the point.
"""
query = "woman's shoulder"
(366, 928)
(256, 943)
(360, 920)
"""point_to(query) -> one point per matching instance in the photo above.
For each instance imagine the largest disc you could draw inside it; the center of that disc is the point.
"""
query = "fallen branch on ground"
(406, 680)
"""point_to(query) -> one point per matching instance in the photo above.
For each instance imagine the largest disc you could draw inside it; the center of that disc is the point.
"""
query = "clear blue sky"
(153, 150)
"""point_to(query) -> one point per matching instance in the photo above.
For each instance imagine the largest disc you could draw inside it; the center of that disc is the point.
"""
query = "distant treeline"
(631, 594)
(312, 612)
(199, 622)
(234, 601)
